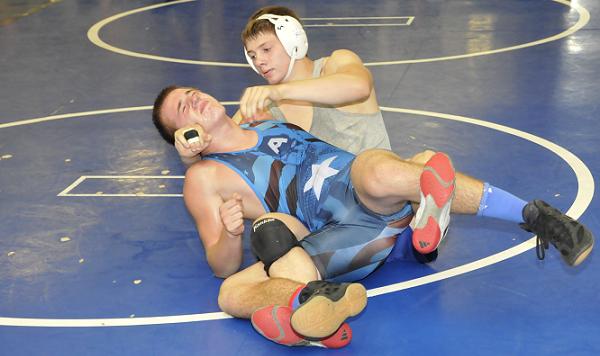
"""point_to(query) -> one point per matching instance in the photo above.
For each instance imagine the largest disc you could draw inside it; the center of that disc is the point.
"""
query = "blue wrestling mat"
(98, 255)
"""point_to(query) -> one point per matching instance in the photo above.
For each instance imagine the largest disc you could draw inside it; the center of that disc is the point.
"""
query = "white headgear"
(291, 35)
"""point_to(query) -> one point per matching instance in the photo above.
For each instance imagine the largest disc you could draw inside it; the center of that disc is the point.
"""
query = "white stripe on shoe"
(433, 216)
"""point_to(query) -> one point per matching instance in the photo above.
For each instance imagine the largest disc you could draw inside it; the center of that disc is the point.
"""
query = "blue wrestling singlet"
(295, 173)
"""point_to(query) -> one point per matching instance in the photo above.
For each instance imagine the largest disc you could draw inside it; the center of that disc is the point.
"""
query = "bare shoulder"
(203, 185)
(341, 58)
(203, 167)
(344, 54)
(203, 174)
(208, 176)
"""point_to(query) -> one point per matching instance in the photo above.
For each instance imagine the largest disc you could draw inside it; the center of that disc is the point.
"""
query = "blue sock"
(500, 204)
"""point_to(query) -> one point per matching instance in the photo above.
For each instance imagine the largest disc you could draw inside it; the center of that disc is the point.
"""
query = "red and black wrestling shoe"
(433, 215)
(273, 322)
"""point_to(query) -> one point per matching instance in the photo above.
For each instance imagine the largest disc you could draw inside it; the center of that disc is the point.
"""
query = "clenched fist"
(256, 100)
(232, 215)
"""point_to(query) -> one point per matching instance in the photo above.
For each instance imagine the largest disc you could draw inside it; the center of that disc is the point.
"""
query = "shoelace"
(553, 229)
(540, 248)
(540, 244)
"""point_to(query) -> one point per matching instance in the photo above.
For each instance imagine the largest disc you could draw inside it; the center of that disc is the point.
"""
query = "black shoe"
(324, 306)
(572, 239)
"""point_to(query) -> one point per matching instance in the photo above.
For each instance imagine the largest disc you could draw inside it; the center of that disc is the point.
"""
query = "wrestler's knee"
(422, 157)
(227, 298)
(296, 265)
(291, 222)
(235, 289)
(372, 170)
(271, 239)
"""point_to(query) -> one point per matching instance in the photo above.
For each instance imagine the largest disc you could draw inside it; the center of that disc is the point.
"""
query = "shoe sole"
(320, 316)
(583, 255)
(268, 322)
(437, 192)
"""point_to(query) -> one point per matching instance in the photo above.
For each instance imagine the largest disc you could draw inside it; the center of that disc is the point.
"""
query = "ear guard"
(291, 35)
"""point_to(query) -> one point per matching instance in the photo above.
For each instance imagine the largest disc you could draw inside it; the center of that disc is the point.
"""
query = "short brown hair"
(166, 132)
(254, 28)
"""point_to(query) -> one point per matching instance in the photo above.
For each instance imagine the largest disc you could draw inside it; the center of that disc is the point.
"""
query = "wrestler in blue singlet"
(295, 173)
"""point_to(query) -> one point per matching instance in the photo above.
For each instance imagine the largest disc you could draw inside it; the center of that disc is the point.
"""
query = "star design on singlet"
(320, 172)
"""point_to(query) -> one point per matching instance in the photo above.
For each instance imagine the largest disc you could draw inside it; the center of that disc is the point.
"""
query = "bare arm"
(237, 117)
(222, 240)
(345, 81)
(258, 116)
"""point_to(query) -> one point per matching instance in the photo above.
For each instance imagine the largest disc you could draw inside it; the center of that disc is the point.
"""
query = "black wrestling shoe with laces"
(325, 305)
(573, 240)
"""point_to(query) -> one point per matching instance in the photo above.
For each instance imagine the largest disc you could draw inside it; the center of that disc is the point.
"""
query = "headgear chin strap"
(291, 35)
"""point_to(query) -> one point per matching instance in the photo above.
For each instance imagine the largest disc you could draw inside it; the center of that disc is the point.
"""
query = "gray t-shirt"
(352, 132)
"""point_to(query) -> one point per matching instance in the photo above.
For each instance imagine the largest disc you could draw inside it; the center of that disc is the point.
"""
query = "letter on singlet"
(276, 142)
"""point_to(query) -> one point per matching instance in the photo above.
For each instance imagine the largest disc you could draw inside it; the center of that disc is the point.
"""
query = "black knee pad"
(271, 239)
